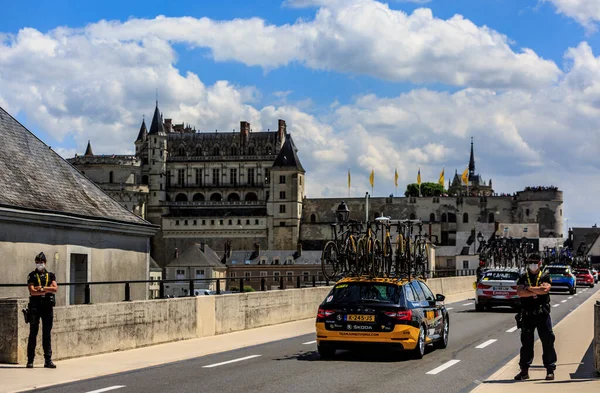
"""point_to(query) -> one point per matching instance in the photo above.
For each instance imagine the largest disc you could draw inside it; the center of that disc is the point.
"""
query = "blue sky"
(402, 85)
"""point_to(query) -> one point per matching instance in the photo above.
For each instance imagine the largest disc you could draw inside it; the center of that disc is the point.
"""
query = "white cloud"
(354, 37)
(585, 12)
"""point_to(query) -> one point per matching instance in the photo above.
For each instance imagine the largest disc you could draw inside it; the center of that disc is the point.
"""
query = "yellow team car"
(400, 314)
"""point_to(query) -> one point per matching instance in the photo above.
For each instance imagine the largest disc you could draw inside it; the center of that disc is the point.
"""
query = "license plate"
(501, 289)
(360, 318)
(501, 293)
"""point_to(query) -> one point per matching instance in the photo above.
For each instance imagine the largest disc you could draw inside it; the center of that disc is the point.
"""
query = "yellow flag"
(348, 177)
(396, 177)
(372, 178)
(441, 180)
(465, 176)
(419, 177)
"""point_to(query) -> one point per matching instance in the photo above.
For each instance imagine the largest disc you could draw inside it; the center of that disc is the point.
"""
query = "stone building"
(476, 185)
(214, 188)
(47, 206)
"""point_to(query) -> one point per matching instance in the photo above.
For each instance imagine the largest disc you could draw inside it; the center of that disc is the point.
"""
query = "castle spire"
(88, 151)
(143, 132)
(157, 126)
(472, 161)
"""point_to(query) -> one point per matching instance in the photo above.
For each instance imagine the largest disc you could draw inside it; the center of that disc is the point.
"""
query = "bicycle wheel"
(388, 257)
(376, 258)
(330, 260)
(351, 252)
(361, 255)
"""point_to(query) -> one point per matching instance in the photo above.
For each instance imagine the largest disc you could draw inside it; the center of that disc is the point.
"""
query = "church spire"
(472, 161)
(88, 151)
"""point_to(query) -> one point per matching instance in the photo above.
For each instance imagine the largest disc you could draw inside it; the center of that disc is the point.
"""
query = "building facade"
(240, 188)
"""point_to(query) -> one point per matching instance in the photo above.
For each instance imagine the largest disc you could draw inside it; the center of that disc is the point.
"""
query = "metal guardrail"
(283, 283)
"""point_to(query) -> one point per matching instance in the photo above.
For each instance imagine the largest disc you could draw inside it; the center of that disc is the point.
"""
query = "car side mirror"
(440, 298)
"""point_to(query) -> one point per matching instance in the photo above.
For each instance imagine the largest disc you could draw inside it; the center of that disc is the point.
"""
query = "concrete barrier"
(98, 328)
(597, 337)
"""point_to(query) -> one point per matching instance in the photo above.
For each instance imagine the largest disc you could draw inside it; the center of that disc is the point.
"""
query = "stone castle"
(243, 190)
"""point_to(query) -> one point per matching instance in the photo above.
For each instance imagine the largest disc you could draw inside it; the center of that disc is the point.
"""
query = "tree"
(427, 190)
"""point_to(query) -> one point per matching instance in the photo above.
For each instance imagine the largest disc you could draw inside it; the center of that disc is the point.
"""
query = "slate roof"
(194, 256)
(287, 157)
(157, 126)
(143, 132)
(240, 258)
(88, 150)
(34, 177)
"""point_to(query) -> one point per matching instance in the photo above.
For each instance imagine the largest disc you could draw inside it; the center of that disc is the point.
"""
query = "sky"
(362, 84)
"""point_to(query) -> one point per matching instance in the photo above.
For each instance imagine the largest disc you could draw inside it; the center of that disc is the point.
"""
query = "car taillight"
(323, 313)
(514, 287)
(483, 286)
(400, 315)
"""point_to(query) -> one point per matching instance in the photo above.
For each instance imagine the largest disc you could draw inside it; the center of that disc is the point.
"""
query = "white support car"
(498, 287)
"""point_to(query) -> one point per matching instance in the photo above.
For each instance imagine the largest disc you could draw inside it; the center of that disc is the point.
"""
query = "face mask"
(533, 267)
(40, 266)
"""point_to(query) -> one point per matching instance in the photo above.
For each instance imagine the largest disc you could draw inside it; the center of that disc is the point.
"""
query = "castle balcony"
(197, 187)
(212, 203)
(270, 157)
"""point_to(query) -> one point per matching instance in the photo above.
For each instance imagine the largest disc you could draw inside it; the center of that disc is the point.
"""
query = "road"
(480, 343)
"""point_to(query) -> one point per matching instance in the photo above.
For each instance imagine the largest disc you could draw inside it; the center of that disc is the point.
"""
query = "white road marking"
(108, 389)
(570, 297)
(556, 305)
(231, 361)
(576, 294)
(512, 329)
(450, 308)
(485, 344)
(443, 367)
(563, 301)
(310, 342)
(467, 304)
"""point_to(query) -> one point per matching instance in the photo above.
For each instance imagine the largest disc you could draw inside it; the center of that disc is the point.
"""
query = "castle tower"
(141, 138)
(157, 167)
(472, 163)
(88, 150)
(284, 208)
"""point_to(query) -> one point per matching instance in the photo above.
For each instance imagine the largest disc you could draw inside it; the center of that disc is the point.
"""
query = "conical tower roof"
(157, 126)
(143, 132)
(287, 157)
(88, 150)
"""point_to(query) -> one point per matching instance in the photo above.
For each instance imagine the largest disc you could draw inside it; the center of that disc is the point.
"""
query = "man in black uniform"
(42, 287)
(533, 289)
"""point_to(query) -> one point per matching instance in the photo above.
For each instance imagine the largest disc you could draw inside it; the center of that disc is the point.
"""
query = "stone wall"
(92, 329)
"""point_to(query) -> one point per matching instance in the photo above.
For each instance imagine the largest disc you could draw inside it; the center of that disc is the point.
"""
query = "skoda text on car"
(398, 314)
(498, 287)
(585, 277)
(562, 278)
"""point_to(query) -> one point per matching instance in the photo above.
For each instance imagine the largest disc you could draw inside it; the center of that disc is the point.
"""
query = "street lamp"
(342, 212)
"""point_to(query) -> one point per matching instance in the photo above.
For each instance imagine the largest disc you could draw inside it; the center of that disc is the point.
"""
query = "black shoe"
(29, 364)
(550, 376)
(49, 364)
(522, 376)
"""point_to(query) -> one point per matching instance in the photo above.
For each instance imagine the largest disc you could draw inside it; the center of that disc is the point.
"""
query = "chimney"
(257, 248)
(281, 130)
(299, 250)
(176, 253)
(169, 124)
(244, 131)
(202, 247)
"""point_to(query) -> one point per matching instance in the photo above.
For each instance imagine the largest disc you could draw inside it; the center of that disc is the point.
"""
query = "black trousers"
(543, 324)
(46, 314)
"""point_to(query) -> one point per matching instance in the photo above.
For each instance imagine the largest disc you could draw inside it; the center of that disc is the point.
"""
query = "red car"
(585, 277)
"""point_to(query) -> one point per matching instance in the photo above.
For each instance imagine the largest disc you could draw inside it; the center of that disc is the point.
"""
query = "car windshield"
(557, 270)
(581, 271)
(512, 276)
(366, 292)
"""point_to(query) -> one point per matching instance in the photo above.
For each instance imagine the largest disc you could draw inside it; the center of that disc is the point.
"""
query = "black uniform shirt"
(33, 279)
(534, 303)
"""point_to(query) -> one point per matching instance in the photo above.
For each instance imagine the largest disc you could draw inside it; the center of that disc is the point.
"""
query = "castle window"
(161, 153)
(251, 151)
(110, 177)
(168, 179)
(220, 222)
(182, 151)
(251, 176)
(195, 222)
(300, 180)
(216, 151)
(444, 217)
(198, 177)
(154, 140)
(269, 150)
(233, 197)
(233, 176)
(230, 222)
(282, 223)
(203, 222)
(432, 217)
(281, 208)
(465, 218)
(251, 197)
(176, 222)
(185, 222)
(215, 178)
(181, 176)
(267, 176)
(198, 151)
(527, 212)
(247, 222)
(281, 194)
(239, 222)
(212, 222)
(216, 197)
(256, 222)
(181, 198)
(412, 216)
(491, 218)
(234, 150)
(451, 217)
(282, 179)
(267, 194)
(313, 218)
(145, 179)
(198, 197)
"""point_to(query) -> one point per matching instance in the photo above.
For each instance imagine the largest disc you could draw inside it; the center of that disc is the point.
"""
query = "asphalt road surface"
(479, 344)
